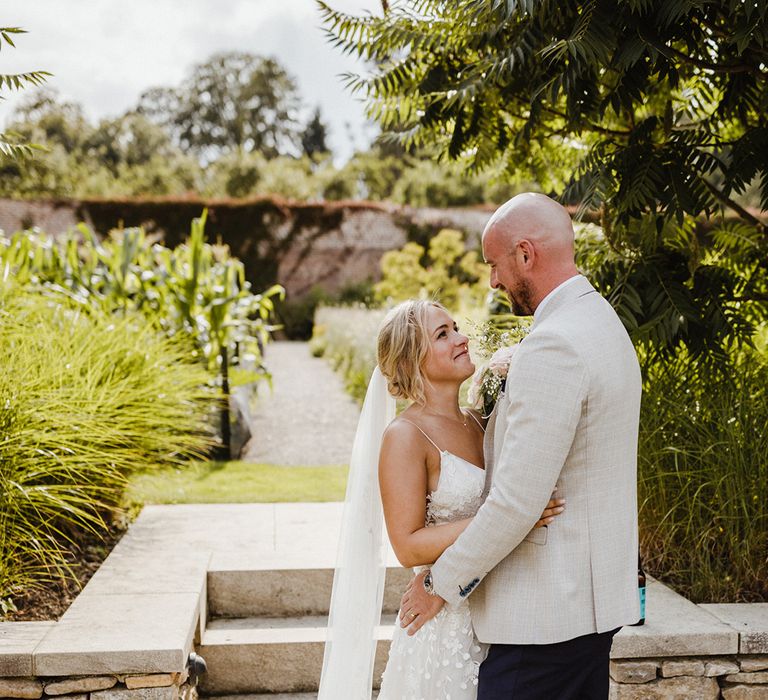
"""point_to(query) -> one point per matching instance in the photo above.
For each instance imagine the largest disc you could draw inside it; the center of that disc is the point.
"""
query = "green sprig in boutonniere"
(490, 378)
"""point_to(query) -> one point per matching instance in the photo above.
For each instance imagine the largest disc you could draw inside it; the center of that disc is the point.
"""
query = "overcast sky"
(105, 53)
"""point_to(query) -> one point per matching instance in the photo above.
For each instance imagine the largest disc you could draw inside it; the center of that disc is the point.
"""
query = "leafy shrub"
(195, 289)
(86, 398)
(446, 271)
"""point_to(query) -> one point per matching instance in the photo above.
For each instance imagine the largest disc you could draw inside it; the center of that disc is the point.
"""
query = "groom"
(549, 600)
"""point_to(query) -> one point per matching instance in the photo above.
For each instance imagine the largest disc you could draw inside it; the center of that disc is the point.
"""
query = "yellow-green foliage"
(86, 398)
(447, 272)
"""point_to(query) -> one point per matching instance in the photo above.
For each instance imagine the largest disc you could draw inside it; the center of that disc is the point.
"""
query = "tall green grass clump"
(703, 467)
(86, 399)
(195, 290)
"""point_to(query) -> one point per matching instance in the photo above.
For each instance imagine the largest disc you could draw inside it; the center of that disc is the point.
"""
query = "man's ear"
(526, 251)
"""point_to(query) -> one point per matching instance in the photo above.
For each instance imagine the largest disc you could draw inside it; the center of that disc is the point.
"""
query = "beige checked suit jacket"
(568, 418)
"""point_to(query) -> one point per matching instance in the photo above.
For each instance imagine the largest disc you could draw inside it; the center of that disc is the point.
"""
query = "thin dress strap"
(474, 417)
(423, 433)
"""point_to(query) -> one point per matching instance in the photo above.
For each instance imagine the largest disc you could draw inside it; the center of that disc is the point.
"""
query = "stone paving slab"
(139, 633)
(18, 641)
(273, 655)
(283, 536)
(177, 572)
(749, 619)
(674, 626)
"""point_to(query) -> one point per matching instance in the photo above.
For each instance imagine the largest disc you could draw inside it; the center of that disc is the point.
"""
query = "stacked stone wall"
(690, 678)
(738, 677)
(156, 686)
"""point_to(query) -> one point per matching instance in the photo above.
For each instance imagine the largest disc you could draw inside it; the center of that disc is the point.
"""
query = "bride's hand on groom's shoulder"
(417, 607)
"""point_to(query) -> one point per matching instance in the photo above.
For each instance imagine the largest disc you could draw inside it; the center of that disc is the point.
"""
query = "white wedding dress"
(441, 661)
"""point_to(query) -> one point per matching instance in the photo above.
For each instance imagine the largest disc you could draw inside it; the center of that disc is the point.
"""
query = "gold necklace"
(441, 415)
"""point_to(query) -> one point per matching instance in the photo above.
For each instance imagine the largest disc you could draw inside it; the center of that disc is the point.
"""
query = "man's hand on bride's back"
(553, 509)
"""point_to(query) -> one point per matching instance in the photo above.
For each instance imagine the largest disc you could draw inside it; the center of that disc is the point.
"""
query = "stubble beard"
(521, 299)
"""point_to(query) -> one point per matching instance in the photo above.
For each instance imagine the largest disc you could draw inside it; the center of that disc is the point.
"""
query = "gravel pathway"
(308, 419)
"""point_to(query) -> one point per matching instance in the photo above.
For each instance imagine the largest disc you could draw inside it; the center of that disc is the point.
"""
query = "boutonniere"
(497, 340)
(489, 380)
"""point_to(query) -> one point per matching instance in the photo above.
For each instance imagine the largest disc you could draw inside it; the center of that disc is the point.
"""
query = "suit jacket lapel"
(575, 290)
(488, 445)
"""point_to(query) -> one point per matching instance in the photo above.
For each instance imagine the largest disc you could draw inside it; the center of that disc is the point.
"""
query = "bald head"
(537, 218)
(529, 245)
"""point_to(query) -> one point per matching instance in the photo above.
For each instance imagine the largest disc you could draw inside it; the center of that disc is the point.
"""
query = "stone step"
(263, 696)
(286, 592)
(272, 696)
(273, 655)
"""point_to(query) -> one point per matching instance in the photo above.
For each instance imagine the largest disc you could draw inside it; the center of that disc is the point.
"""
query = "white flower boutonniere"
(489, 379)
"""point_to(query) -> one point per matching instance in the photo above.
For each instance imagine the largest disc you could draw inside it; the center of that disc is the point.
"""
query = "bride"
(429, 463)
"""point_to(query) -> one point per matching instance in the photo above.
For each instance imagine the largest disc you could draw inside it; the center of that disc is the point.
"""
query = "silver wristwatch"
(428, 587)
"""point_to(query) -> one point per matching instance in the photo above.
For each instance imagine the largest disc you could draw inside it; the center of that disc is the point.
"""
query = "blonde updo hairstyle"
(403, 346)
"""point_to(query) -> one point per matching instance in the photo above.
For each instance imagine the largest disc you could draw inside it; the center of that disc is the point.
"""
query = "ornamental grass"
(703, 477)
(86, 399)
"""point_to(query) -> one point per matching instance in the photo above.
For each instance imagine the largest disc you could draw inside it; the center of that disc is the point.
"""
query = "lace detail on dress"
(457, 495)
(441, 661)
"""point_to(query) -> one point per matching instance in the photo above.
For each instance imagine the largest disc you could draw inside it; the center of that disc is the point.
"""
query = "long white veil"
(358, 582)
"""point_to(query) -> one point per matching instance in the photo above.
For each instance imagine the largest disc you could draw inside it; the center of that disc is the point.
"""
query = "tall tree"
(121, 156)
(130, 139)
(313, 138)
(233, 102)
(652, 111)
(42, 115)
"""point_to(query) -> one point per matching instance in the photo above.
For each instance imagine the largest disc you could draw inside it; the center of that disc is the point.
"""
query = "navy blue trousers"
(573, 670)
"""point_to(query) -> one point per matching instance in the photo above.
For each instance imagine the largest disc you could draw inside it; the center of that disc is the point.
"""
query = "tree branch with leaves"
(11, 146)
(650, 111)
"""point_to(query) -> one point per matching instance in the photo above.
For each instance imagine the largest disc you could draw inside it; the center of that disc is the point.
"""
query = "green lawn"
(238, 482)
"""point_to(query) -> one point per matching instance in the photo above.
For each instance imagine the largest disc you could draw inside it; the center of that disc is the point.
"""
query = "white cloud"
(105, 53)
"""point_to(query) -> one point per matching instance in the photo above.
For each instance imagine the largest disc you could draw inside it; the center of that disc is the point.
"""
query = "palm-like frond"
(18, 81)
(13, 150)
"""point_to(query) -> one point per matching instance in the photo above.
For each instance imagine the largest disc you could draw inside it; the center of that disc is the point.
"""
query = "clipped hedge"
(258, 231)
